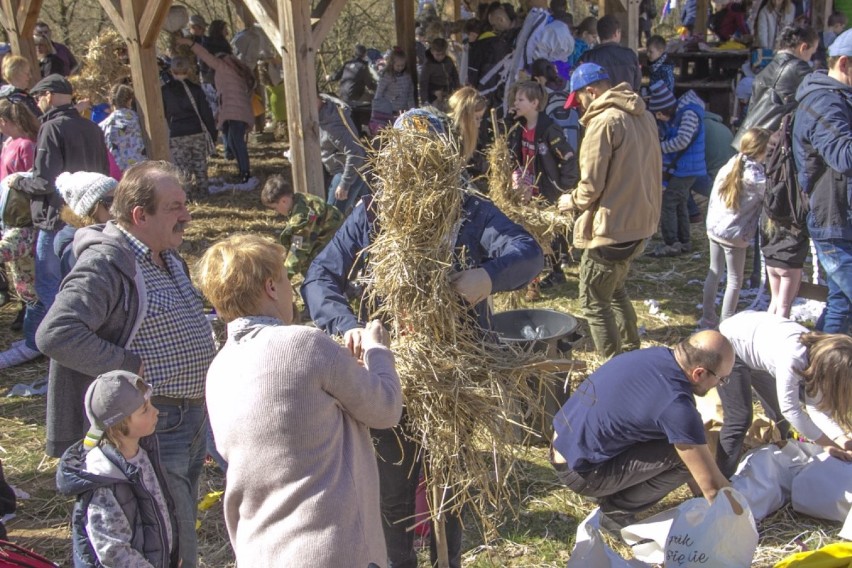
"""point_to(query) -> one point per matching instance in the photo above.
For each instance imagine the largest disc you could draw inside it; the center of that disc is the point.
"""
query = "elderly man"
(67, 142)
(618, 200)
(129, 304)
(631, 433)
(822, 146)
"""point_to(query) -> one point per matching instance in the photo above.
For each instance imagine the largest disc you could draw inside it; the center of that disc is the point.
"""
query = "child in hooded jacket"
(732, 216)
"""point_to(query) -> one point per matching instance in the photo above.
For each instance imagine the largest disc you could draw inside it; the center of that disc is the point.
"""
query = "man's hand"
(341, 193)
(374, 335)
(472, 285)
(353, 341)
(566, 202)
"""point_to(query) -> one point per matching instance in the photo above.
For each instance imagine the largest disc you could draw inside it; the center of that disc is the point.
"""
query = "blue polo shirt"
(635, 397)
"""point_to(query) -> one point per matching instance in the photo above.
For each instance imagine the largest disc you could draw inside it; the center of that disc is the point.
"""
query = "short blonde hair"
(233, 273)
(14, 64)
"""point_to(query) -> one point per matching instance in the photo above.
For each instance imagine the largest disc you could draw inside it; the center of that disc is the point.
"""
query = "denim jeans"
(182, 436)
(606, 306)
(835, 256)
(357, 190)
(632, 481)
(48, 276)
(674, 220)
(703, 186)
(234, 134)
(399, 461)
(737, 407)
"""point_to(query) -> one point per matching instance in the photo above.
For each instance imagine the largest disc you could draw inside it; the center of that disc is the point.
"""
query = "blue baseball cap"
(842, 45)
(583, 76)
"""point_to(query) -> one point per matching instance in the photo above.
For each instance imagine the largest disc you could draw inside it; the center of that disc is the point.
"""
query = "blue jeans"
(182, 436)
(835, 256)
(48, 276)
(357, 190)
(703, 186)
(234, 134)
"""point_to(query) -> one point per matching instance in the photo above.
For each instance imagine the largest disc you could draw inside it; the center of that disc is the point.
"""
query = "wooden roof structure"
(297, 32)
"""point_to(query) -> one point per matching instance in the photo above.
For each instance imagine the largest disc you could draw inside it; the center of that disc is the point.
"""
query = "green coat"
(310, 225)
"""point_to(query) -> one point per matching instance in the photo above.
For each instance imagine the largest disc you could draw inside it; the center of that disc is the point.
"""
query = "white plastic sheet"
(590, 550)
(823, 488)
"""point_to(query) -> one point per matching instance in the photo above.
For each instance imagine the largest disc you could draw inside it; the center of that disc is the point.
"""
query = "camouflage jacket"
(311, 224)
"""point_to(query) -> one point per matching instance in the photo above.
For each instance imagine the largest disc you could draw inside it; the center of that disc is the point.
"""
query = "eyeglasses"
(722, 380)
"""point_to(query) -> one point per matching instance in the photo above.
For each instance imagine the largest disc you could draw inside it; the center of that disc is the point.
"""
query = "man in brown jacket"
(618, 199)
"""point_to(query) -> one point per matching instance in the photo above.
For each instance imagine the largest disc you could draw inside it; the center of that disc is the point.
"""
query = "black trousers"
(633, 481)
(400, 461)
(737, 407)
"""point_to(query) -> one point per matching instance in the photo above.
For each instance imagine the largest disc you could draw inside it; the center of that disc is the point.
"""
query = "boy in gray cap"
(123, 514)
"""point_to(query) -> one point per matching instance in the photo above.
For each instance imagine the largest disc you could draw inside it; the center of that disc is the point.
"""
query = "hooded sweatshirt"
(123, 136)
(620, 188)
(122, 513)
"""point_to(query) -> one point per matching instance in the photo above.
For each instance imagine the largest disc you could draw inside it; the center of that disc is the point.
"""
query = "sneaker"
(17, 354)
(694, 219)
(685, 248)
(555, 278)
(614, 521)
(18, 324)
(664, 250)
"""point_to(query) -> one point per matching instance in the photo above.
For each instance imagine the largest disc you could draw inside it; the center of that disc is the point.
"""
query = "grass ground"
(541, 536)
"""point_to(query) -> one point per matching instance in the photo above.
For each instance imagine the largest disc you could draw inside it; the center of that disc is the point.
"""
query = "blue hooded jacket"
(822, 148)
(509, 255)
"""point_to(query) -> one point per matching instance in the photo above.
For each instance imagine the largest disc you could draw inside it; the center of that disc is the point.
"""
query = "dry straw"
(461, 390)
(101, 68)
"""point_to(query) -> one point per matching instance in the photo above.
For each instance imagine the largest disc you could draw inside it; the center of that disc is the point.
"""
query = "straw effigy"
(101, 68)
(461, 391)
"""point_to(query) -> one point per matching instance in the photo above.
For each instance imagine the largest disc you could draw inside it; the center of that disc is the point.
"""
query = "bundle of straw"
(100, 68)
(539, 218)
(461, 391)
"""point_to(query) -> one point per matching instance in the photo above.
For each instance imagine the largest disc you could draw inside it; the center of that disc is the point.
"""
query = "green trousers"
(606, 306)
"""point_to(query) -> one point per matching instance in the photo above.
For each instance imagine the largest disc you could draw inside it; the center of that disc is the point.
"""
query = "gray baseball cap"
(111, 398)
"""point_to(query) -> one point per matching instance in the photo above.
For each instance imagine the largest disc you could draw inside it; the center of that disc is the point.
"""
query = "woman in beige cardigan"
(234, 85)
(290, 411)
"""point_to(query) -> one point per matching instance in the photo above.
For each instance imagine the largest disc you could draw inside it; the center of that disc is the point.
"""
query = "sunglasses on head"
(106, 200)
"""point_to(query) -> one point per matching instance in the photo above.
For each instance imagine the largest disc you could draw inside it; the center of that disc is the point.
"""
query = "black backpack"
(784, 201)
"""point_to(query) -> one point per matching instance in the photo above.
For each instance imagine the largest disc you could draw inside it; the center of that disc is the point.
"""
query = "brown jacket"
(620, 190)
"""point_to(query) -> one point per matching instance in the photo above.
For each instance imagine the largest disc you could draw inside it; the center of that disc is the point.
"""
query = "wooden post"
(627, 12)
(299, 56)
(19, 18)
(403, 11)
(700, 28)
(139, 23)
(440, 528)
(820, 11)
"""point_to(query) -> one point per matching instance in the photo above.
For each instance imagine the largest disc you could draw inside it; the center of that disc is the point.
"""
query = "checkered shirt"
(175, 340)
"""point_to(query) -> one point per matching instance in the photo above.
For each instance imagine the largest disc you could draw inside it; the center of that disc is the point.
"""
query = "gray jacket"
(341, 151)
(97, 311)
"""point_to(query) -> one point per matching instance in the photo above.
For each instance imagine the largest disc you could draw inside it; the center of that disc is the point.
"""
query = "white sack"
(823, 489)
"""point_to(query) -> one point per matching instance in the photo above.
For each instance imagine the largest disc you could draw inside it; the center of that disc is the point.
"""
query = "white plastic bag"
(717, 535)
(765, 475)
(846, 531)
(653, 531)
(823, 489)
(590, 550)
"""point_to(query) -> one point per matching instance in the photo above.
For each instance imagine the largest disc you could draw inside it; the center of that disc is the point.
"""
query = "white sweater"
(291, 411)
(768, 342)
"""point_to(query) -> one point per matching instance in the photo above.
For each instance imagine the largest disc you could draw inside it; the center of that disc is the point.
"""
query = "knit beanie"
(82, 190)
(660, 97)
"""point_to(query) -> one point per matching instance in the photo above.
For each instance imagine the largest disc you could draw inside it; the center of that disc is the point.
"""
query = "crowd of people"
(91, 230)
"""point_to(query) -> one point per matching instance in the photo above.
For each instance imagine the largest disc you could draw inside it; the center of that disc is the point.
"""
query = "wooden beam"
(327, 11)
(19, 18)
(299, 55)
(136, 20)
(151, 21)
(627, 12)
(700, 27)
(267, 15)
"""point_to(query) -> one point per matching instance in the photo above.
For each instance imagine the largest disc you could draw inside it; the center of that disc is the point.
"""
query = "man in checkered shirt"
(129, 304)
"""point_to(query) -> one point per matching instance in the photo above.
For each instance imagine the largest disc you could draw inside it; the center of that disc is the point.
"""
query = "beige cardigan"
(234, 96)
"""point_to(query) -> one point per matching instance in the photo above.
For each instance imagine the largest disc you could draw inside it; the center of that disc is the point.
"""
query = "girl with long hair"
(732, 215)
(467, 108)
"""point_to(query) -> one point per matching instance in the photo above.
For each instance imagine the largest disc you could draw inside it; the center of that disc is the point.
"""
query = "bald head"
(708, 349)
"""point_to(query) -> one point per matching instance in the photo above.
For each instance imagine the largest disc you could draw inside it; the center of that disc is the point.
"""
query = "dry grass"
(543, 533)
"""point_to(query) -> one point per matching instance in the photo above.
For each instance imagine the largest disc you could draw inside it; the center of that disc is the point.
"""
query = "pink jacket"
(234, 96)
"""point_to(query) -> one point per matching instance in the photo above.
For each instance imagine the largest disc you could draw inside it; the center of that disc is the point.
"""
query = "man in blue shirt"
(631, 433)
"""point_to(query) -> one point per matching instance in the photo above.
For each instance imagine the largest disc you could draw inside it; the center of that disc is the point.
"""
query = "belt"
(158, 400)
